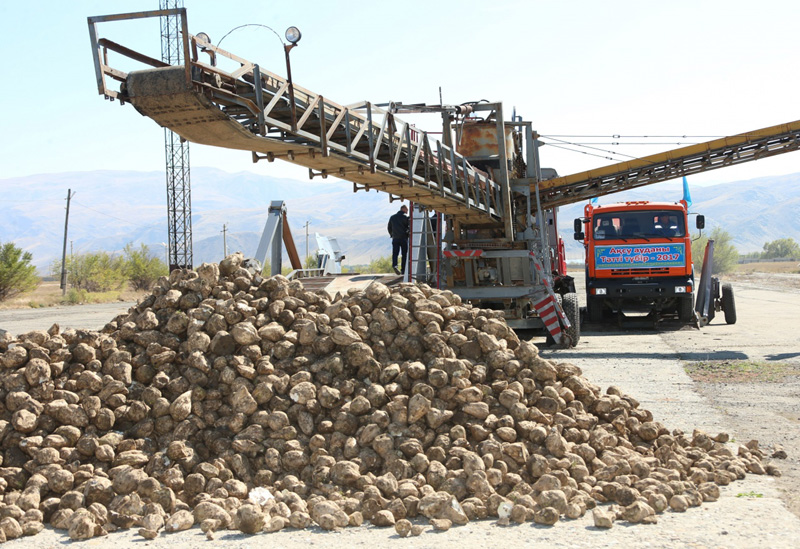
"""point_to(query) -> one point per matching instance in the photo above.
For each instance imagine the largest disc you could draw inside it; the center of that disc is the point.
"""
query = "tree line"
(138, 268)
(726, 256)
(783, 248)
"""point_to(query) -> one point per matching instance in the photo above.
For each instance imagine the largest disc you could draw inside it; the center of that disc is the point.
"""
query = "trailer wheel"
(573, 311)
(728, 304)
(685, 309)
(715, 301)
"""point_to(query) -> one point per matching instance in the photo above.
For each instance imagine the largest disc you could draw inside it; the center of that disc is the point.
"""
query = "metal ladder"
(424, 262)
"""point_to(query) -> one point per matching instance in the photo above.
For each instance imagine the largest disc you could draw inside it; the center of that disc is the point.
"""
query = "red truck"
(638, 259)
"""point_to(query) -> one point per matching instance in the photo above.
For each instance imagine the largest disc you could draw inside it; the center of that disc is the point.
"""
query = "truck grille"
(639, 272)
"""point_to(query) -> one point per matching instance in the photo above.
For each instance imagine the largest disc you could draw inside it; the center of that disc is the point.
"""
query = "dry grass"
(739, 371)
(769, 267)
(784, 275)
(48, 294)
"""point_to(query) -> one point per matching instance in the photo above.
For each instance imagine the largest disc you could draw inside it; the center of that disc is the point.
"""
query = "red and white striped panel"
(548, 312)
(463, 253)
(538, 265)
(548, 287)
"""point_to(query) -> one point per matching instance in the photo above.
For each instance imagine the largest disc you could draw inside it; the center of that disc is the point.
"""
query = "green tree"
(725, 255)
(17, 275)
(311, 262)
(94, 272)
(142, 268)
(267, 269)
(380, 265)
(781, 248)
(751, 255)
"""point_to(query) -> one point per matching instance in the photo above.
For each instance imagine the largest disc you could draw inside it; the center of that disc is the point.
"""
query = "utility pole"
(307, 222)
(70, 194)
(224, 232)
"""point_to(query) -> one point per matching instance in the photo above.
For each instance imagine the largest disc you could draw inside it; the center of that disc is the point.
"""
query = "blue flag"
(594, 201)
(686, 196)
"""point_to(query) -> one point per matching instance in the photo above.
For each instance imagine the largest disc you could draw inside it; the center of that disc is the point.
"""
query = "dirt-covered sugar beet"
(232, 401)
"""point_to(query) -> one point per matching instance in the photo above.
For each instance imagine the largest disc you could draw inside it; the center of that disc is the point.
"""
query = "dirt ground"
(651, 365)
(48, 294)
(765, 403)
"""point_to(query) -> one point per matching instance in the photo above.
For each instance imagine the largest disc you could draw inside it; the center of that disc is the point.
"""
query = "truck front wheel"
(594, 307)
(728, 304)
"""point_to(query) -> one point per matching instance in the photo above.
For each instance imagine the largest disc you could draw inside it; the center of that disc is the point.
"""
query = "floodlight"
(293, 35)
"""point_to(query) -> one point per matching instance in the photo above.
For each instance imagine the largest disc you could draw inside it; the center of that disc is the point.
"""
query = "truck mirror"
(701, 222)
(579, 235)
(578, 224)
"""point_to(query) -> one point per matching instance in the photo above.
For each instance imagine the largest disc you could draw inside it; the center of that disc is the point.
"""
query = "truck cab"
(638, 259)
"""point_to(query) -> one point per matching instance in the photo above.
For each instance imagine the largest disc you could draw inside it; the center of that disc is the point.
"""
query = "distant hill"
(112, 208)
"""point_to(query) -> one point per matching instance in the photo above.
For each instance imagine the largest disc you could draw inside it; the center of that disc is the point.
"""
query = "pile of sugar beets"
(233, 401)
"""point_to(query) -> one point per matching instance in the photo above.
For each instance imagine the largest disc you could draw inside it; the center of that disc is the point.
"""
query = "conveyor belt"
(702, 157)
(250, 109)
(255, 110)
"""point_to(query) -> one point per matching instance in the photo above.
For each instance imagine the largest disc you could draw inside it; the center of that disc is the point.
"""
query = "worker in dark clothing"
(398, 230)
(666, 226)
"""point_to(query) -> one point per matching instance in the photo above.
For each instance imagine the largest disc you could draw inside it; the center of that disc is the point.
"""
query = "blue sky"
(614, 67)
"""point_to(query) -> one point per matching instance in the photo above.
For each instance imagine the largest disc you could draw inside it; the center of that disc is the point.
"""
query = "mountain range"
(112, 208)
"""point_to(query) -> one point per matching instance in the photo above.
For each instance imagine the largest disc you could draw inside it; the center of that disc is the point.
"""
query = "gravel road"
(646, 364)
(87, 317)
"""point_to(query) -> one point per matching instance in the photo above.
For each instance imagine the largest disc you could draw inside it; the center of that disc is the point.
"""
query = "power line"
(117, 218)
(249, 25)
(582, 152)
(593, 148)
(618, 136)
(635, 143)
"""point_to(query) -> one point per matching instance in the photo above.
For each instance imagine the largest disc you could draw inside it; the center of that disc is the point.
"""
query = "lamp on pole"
(293, 36)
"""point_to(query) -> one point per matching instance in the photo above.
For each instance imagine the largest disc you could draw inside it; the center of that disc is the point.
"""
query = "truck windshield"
(638, 224)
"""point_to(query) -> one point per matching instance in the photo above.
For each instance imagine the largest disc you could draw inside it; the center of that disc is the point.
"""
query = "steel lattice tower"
(179, 194)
